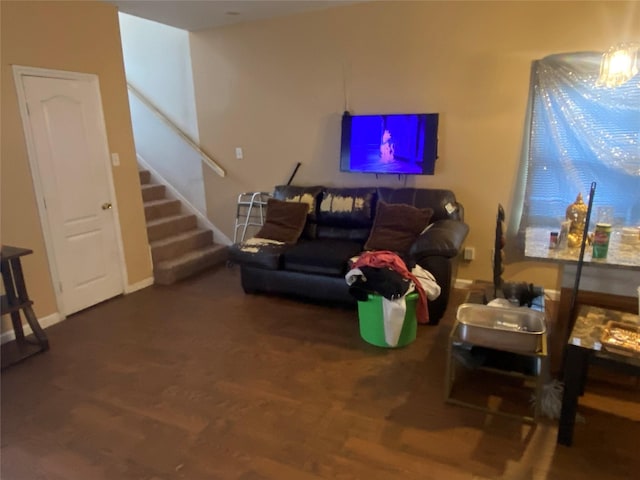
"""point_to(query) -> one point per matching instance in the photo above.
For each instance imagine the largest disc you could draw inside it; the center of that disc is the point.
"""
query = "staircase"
(179, 248)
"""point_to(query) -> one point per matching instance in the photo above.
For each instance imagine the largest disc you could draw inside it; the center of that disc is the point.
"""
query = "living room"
(278, 88)
(476, 77)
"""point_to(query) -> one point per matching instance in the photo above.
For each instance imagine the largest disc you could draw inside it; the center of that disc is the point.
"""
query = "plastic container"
(372, 321)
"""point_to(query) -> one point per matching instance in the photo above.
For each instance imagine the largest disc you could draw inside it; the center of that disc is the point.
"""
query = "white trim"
(552, 294)
(462, 283)
(134, 287)
(124, 276)
(49, 73)
(203, 221)
(20, 71)
(44, 322)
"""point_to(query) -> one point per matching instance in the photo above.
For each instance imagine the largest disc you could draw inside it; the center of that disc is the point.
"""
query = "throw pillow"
(308, 195)
(396, 226)
(284, 221)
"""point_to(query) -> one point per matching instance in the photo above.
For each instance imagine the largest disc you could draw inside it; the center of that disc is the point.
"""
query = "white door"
(68, 140)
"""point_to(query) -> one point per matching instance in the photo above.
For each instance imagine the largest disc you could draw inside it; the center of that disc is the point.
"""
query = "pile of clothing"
(385, 273)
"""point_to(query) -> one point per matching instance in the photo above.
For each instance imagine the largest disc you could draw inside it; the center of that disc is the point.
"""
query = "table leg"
(23, 297)
(576, 361)
(8, 271)
(447, 379)
(541, 378)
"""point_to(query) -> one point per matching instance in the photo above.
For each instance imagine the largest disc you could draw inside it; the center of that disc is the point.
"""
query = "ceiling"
(198, 15)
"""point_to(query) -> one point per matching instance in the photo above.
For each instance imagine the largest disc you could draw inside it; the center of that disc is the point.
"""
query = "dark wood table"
(13, 302)
(585, 347)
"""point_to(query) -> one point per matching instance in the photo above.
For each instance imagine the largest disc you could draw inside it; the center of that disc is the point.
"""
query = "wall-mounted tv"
(402, 144)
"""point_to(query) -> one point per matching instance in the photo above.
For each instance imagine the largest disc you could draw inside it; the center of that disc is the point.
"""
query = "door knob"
(106, 206)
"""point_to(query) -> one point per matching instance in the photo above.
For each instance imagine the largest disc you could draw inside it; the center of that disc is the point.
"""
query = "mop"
(551, 401)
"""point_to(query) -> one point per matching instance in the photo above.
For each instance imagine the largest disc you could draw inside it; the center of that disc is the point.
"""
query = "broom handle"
(295, 170)
(576, 286)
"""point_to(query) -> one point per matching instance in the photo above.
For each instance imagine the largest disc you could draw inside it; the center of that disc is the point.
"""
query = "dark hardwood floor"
(200, 381)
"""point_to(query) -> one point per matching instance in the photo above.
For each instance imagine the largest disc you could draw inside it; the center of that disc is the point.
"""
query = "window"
(578, 134)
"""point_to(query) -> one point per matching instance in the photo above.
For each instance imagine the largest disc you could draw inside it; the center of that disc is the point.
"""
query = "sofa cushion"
(443, 202)
(359, 235)
(397, 226)
(308, 195)
(321, 256)
(285, 221)
(347, 207)
(258, 252)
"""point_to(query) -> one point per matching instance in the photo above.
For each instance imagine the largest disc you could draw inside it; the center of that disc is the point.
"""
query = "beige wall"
(277, 88)
(80, 37)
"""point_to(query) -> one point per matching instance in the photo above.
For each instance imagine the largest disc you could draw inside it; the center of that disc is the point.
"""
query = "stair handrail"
(208, 160)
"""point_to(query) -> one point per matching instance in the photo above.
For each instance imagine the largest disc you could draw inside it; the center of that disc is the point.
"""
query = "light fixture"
(619, 65)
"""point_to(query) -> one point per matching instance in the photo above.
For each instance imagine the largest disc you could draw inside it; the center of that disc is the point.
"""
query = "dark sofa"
(338, 225)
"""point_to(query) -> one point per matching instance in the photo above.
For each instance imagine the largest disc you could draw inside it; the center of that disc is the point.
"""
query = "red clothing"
(387, 259)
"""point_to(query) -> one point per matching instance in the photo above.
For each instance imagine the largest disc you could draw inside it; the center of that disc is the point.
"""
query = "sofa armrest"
(443, 238)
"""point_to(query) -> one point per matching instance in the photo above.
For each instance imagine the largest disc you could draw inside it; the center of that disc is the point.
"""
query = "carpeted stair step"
(177, 245)
(170, 271)
(167, 226)
(145, 176)
(152, 191)
(161, 208)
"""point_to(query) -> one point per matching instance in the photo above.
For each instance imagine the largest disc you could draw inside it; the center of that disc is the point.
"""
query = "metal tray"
(504, 328)
(622, 338)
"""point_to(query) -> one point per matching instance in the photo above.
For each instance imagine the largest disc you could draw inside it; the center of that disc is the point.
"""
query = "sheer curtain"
(577, 134)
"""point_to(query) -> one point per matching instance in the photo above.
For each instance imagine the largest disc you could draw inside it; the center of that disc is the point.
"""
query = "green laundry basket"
(372, 321)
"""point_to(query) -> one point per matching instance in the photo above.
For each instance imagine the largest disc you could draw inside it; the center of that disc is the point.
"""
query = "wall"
(81, 37)
(157, 63)
(277, 88)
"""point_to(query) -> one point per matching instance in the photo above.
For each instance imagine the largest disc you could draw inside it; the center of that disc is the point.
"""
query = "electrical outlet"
(469, 253)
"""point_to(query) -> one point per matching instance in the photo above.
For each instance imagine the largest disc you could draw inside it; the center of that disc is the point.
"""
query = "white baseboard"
(44, 322)
(553, 295)
(462, 283)
(147, 282)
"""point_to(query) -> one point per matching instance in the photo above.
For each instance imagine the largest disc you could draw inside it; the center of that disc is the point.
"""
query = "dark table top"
(9, 252)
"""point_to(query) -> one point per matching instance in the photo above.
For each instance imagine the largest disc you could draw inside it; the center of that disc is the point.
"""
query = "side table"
(583, 348)
(14, 301)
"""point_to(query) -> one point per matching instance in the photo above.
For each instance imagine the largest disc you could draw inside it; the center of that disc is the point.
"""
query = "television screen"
(397, 143)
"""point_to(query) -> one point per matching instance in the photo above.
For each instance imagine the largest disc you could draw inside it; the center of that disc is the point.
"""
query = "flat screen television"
(402, 144)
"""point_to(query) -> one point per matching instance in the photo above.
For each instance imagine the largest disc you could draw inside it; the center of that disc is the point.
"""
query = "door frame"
(20, 71)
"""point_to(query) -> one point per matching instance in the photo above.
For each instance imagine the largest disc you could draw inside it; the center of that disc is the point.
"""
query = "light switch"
(469, 253)
(239, 154)
(115, 159)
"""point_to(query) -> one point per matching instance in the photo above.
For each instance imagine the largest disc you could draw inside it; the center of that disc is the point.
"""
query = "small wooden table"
(583, 348)
(12, 303)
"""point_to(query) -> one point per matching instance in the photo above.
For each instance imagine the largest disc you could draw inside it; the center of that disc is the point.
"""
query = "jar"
(630, 236)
